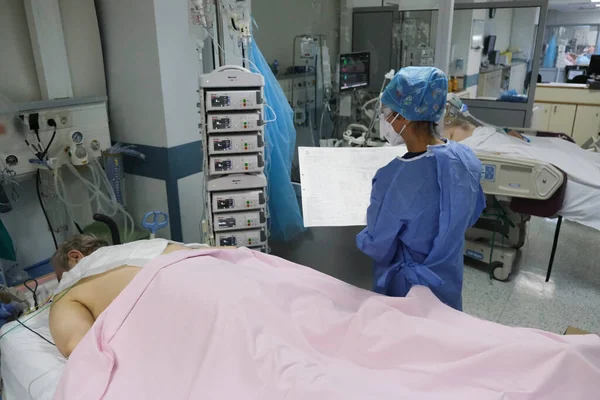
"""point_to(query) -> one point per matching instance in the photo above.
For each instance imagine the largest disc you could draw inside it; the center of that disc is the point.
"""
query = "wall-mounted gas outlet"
(64, 120)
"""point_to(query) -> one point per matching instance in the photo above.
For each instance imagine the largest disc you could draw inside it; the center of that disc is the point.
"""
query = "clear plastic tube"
(114, 207)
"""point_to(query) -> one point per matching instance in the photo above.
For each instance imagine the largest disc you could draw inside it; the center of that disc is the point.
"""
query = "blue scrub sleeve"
(479, 207)
(379, 240)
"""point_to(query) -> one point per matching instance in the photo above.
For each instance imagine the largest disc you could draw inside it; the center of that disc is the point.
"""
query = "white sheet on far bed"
(582, 197)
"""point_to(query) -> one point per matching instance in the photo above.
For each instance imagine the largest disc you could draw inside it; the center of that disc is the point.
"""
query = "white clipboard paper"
(336, 182)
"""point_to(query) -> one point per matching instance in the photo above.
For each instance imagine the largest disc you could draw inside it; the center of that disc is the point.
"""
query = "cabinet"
(541, 116)
(562, 117)
(587, 123)
(557, 118)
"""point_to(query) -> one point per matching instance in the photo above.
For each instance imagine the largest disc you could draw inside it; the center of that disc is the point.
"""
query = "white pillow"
(136, 254)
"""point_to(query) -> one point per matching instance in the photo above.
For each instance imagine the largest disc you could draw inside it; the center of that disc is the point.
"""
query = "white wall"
(500, 26)
(18, 76)
(130, 47)
(179, 69)
(279, 21)
(84, 50)
(461, 39)
(572, 18)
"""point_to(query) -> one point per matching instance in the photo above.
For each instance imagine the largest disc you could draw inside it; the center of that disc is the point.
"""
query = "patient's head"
(457, 129)
(70, 252)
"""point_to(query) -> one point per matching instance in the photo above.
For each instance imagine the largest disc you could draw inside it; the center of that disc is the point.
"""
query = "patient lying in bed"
(77, 307)
(238, 324)
(582, 196)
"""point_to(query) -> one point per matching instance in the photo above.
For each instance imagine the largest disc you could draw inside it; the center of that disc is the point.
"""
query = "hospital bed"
(516, 189)
(30, 367)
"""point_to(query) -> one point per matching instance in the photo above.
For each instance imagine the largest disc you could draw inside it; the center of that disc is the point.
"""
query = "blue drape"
(280, 136)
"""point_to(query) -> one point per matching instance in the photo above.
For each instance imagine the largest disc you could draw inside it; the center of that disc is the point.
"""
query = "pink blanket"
(238, 324)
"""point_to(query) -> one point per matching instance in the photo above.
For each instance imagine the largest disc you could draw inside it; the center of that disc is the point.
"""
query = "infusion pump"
(232, 110)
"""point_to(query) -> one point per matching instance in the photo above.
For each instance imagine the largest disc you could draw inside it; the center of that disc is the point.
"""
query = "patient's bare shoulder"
(69, 323)
(98, 291)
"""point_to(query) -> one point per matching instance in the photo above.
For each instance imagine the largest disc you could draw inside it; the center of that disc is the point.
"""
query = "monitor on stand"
(355, 71)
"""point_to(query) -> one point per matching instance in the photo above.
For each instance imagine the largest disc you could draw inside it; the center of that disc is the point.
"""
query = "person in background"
(422, 203)
(586, 57)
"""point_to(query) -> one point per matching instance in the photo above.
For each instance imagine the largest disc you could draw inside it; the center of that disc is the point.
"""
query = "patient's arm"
(69, 322)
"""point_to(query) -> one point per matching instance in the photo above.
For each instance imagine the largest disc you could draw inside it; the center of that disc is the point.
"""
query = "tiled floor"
(572, 297)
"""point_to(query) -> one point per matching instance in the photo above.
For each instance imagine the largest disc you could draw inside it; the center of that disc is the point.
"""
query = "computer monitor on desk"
(594, 68)
(576, 74)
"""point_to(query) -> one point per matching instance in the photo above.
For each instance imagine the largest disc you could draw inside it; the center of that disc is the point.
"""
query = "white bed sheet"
(582, 197)
(31, 368)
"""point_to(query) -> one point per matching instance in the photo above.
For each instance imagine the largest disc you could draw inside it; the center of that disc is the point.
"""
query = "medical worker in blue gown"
(422, 203)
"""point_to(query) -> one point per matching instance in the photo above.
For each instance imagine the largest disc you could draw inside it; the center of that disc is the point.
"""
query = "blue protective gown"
(420, 210)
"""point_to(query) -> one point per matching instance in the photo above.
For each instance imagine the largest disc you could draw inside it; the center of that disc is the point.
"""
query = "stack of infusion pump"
(232, 109)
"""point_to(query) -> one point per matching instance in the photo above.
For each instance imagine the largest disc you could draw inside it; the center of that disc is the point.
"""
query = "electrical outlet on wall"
(63, 119)
(44, 126)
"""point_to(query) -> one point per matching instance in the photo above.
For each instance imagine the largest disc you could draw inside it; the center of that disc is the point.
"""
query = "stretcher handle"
(112, 226)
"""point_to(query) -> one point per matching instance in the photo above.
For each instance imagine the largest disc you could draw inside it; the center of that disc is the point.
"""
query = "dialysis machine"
(232, 114)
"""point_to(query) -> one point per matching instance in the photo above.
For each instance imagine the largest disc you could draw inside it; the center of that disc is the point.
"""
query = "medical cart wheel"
(498, 272)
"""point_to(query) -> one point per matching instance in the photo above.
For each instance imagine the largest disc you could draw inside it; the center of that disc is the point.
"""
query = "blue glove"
(9, 312)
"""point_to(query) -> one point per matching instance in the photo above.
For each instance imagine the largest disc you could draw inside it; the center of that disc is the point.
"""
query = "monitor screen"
(490, 44)
(354, 70)
(594, 68)
(575, 72)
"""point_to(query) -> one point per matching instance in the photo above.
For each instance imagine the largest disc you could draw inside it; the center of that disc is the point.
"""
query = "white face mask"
(389, 133)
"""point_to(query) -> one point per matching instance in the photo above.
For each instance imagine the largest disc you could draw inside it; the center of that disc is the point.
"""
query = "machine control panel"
(488, 172)
(236, 164)
(238, 201)
(255, 237)
(234, 100)
(240, 220)
(241, 122)
(225, 144)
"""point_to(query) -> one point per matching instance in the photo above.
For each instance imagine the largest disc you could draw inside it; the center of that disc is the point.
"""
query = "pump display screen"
(221, 145)
(225, 204)
(226, 222)
(221, 123)
(228, 241)
(225, 165)
(218, 100)
(355, 70)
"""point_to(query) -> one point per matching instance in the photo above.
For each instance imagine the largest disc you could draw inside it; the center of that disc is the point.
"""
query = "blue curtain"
(280, 136)
(550, 59)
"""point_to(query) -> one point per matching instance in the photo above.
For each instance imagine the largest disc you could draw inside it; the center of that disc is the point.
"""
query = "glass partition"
(415, 35)
(492, 53)
(567, 52)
